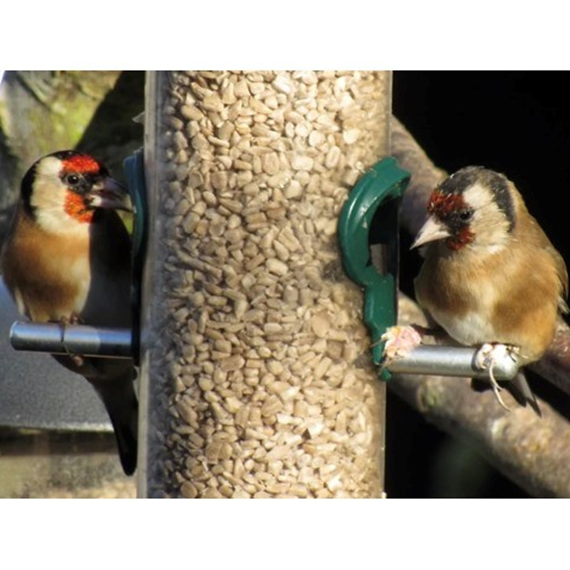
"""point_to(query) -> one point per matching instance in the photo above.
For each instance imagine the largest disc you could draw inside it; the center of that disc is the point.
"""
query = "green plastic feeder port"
(368, 233)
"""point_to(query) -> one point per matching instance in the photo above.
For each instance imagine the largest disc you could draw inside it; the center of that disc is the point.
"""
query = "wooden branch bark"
(425, 176)
(555, 364)
(532, 451)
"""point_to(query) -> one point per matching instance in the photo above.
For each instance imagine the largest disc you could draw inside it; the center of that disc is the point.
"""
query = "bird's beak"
(432, 230)
(109, 194)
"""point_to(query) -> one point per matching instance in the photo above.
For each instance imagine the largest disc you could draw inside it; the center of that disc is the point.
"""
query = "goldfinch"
(490, 275)
(67, 259)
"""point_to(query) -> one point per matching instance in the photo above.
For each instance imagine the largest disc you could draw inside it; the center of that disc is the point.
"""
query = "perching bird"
(490, 275)
(67, 259)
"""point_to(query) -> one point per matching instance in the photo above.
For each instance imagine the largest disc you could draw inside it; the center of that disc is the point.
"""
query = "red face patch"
(443, 205)
(447, 207)
(82, 163)
(75, 207)
(463, 237)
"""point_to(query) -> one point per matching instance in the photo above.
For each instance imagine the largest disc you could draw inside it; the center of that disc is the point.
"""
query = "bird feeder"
(255, 379)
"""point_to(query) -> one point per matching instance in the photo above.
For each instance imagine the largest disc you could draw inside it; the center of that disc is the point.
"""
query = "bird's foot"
(73, 319)
(486, 358)
(77, 359)
(400, 341)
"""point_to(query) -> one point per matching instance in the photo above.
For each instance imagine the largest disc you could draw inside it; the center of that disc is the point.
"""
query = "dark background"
(517, 123)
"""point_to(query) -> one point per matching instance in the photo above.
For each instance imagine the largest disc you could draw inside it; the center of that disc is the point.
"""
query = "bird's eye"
(72, 179)
(465, 215)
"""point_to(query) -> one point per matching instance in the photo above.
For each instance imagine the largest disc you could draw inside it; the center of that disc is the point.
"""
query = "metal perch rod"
(72, 339)
(451, 361)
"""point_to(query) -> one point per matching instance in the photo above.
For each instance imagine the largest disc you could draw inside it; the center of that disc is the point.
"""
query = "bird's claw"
(399, 342)
(486, 358)
(73, 319)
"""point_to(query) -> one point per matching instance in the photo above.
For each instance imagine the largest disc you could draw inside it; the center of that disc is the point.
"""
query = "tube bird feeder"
(256, 377)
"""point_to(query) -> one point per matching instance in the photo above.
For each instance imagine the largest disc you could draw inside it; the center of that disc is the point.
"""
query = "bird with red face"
(490, 276)
(67, 259)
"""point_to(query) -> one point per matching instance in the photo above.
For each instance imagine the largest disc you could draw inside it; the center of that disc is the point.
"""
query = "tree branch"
(425, 176)
(533, 451)
(555, 364)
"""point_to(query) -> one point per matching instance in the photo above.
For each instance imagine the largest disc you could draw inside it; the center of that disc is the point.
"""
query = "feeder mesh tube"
(257, 378)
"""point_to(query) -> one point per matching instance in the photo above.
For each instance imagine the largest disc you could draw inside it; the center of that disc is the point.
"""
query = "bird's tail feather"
(121, 403)
(521, 392)
(113, 380)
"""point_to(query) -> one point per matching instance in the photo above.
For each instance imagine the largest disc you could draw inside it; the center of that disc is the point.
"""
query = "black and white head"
(62, 191)
(472, 209)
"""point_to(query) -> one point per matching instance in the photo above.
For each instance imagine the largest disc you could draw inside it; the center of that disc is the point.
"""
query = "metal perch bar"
(451, 361)
(72, 339)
